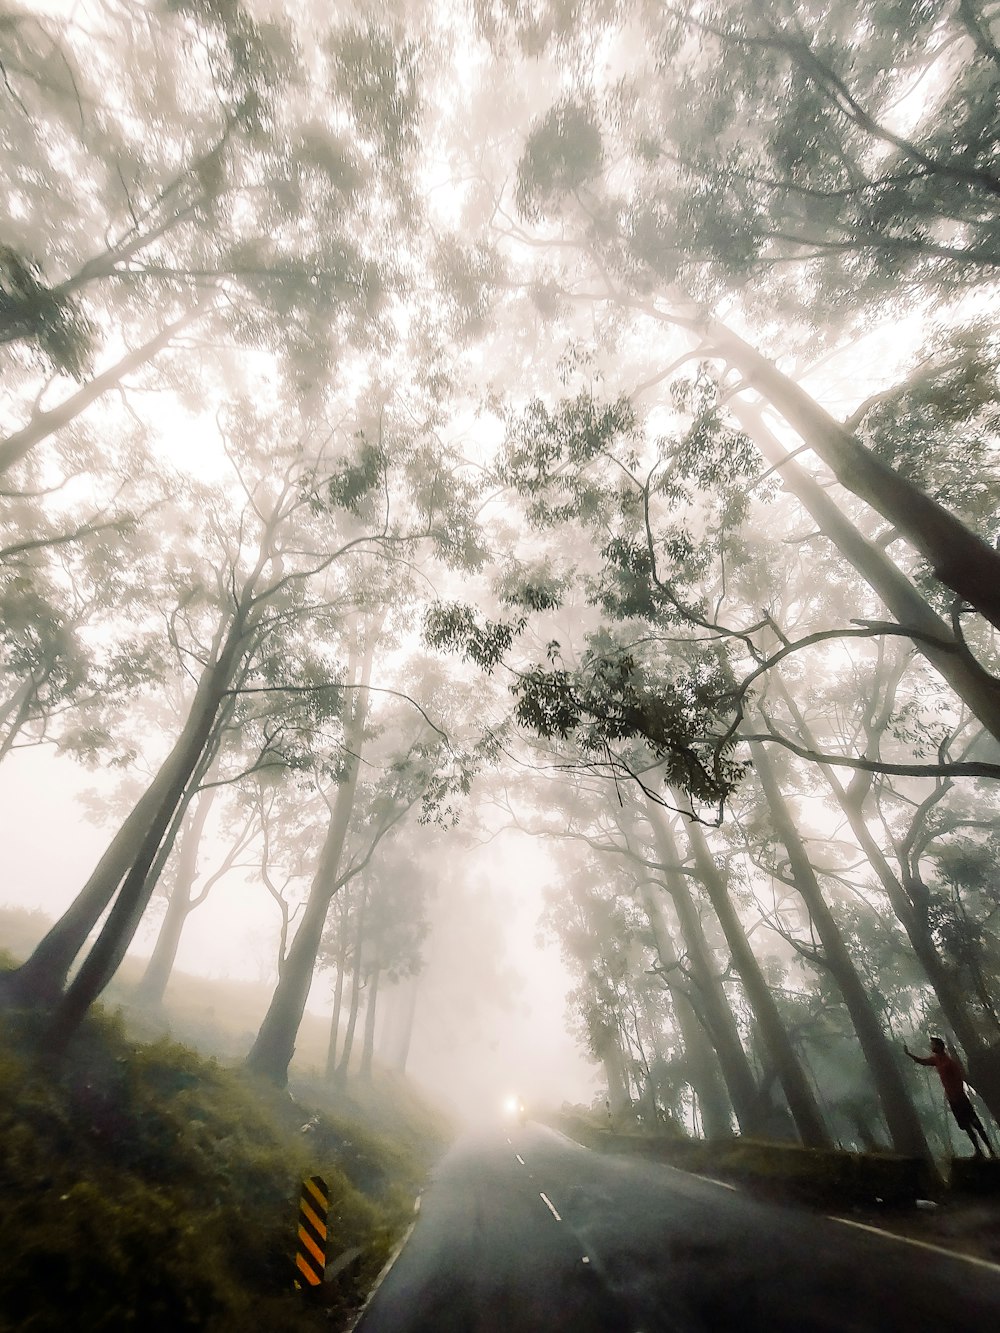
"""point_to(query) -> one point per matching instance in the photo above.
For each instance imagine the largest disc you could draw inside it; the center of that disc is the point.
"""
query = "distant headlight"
(513, 1105)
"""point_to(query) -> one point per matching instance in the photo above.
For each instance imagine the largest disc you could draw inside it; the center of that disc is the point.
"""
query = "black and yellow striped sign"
(310, 1256)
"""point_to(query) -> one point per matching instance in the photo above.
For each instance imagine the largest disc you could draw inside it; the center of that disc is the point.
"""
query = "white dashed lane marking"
(550, 1206)
(519, 1158)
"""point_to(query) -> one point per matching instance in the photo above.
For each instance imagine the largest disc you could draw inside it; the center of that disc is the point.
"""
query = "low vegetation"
(145, 1185)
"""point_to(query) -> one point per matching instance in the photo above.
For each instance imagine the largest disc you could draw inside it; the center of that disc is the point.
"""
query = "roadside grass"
(146, 1185)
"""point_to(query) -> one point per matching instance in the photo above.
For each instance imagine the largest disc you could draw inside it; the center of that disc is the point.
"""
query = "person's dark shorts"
(962, 1110)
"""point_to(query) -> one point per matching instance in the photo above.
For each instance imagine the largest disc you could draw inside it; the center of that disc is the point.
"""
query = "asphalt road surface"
(524, 1231)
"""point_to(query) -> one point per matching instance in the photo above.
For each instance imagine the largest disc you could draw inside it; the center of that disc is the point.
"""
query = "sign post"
(310, 1255)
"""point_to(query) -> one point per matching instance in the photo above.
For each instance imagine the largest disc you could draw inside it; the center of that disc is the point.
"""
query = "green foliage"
(378, 79)
(612, 698)
(563, 151)
(163, 1189)
(457, 628)
(34, 312)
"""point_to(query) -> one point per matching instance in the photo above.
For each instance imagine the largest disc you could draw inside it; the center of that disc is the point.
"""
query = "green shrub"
(144, 1187)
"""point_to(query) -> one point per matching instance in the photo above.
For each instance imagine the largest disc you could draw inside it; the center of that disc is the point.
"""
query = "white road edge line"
(550, 1206)
(519, 1158)
(724, 1183)
(385, 1270)
(920, 1244)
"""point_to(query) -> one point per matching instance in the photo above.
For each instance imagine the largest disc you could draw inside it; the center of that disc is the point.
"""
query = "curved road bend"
(524, 1231)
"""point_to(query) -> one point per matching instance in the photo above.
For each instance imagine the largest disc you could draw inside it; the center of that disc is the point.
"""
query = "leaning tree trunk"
(43, 424)
(801, 1101)
(152, 987)
(932, 637)
(982, 1060)
(274, 1046)
(122, 921)
(960, 559)
(40, 980)
(901, 1118)
(702, 1061)
(713, 1006)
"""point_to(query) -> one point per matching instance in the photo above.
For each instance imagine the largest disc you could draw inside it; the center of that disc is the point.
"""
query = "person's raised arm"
(917, 1059)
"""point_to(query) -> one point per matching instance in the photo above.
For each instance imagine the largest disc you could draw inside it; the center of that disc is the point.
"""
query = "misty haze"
(499, 666)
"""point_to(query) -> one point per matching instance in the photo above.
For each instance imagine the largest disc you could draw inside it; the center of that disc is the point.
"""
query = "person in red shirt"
(952, 1077)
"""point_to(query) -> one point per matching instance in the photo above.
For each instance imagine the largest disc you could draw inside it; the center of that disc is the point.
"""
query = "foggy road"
(524, 1230)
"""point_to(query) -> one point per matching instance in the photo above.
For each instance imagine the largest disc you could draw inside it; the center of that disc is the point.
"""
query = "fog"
(499, 552)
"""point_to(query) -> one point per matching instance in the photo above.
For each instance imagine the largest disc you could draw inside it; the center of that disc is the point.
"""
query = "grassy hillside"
(145, 1185)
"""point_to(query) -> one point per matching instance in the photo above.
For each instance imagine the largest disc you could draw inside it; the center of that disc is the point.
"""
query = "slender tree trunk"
(959, 558)
(153, 985)
(352, 1017)
(702, 1061)
(43, 424)
(16, 711)
(801, 1101)
(338, 1004)
(410, 988)
(978, 690)
(39, 981)
(371, 1009)
(901, 1117)
(714, 1009)
(274, 1046)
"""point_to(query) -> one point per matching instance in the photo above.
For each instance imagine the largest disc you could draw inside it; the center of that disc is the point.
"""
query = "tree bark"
(371, 1010)
(274, 1046)
(152, 987)
(43, 424)
(801, 1101)
(715, 1012)
(982, 1059)
(352, 1017)
(960, 559)
(409, 995)
(39, 981)
(901, 1118)
(702, 1061)
(978, 690)
(120, 926)
(338, 1004)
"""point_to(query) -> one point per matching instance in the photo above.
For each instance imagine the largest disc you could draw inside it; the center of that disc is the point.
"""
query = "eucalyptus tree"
(589, 234)
(209, 170)
(302, 531)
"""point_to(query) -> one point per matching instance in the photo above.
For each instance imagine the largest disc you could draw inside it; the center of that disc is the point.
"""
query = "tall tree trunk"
(352, 1018)
(982, 1060)
(338, 1004)
(901, 1117)
(618, 1090)
(152, 987)
(274, 1046)
(38, 982)
(702, 1061)
(409, 997)
(978, 690)
(371, 1009)
(960, 559)
(43, 424)
(122, 921)
(801, 1101)
(713, 1006)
